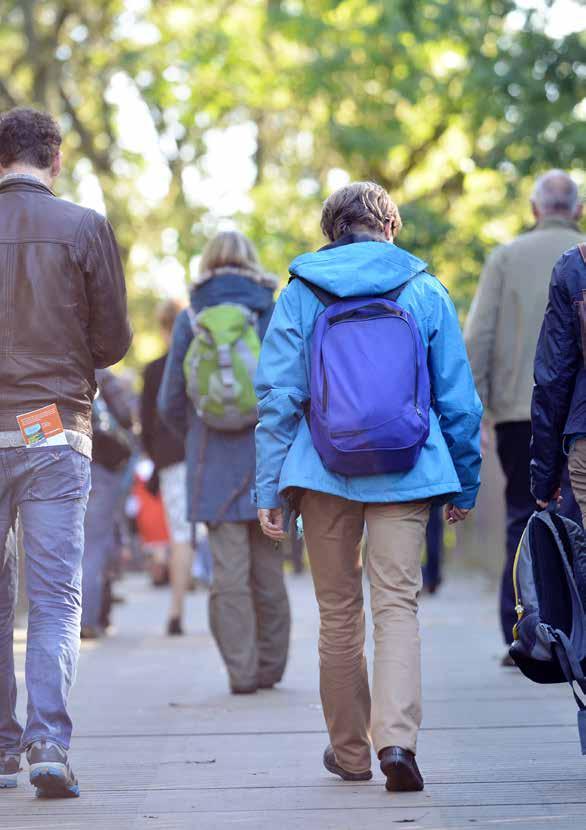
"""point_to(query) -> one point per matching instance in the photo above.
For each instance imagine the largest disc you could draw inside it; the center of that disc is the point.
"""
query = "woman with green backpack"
(207, 396)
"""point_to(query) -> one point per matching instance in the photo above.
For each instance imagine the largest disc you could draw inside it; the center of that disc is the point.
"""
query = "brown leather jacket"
(63, 307)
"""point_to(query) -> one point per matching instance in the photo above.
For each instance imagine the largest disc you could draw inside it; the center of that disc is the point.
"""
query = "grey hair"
(555, 192)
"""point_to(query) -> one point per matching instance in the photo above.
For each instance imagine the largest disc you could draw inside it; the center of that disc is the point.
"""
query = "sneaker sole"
(401, 778)
(51, 781)
(8, 782)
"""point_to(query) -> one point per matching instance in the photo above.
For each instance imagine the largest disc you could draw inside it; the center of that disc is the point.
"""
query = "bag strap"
(570, 665)
(327, 299)
(324, 297)
(573, 673)
(582, 249)
(394, 295)
(192, 319)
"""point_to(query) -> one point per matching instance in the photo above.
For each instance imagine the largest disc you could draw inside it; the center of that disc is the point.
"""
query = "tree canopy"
(453, 106)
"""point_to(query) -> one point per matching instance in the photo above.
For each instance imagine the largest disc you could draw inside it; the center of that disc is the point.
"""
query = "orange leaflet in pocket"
(42, 427)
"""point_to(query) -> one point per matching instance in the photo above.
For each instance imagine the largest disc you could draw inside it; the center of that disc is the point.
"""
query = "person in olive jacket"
(62, 316)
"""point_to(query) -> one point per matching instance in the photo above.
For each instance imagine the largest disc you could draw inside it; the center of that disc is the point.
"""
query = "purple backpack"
(370, 390)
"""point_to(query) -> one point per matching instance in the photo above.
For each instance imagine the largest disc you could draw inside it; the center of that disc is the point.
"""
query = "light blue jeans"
(48, 486)
(100, 540)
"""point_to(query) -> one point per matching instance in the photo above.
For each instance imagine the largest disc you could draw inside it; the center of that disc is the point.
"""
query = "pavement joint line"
(362, 785)
(345, 809)
(484, 727)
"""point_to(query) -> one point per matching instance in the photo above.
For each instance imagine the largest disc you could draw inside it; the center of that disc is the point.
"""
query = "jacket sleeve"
(455, 399)
(116, 397)
(282, 389)
(557, 361)
(172, 402)
(148, 411)
(109, 330)
(481, 325)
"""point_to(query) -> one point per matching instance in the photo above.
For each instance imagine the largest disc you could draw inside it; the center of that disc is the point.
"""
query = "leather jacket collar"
(23, 182)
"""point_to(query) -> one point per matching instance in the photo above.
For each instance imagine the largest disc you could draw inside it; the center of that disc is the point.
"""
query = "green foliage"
(444, 102)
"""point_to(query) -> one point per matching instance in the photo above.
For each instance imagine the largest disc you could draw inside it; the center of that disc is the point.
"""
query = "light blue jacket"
(449, 464)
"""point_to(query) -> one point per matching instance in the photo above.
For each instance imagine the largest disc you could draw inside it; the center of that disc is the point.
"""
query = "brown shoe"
(400, 767)
(332, 766)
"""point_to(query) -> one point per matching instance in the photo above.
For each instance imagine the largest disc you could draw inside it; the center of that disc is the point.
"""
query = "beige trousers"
(577, 468)
(334, 529)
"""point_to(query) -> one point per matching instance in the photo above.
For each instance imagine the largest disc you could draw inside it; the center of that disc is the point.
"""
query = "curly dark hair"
(29, 137)
(366, 204)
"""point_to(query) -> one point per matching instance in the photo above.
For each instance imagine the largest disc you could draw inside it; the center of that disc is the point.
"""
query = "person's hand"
(557, 497)
(271, 522)
(455, 514)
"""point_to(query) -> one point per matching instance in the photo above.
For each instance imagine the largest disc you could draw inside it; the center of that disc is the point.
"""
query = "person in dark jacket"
(113, 425)
(558, 410)
(62, 315)
(167, 452)
(249, 609)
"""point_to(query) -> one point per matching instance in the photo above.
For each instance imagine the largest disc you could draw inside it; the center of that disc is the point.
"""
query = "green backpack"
(220, 365)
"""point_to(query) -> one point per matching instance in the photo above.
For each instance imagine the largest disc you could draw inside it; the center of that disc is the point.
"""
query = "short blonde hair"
(364, 204)
(229, 248)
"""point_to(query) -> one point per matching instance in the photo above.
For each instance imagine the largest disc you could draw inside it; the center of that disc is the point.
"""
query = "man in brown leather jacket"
(62, 315)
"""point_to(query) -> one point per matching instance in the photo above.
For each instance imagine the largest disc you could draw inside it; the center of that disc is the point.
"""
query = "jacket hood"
(232, 288)
(356, 269)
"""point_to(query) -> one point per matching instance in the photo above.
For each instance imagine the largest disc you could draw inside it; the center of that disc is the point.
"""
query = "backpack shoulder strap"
(192, 319)
(328, 299)
(582, 249)
(394, 295)
(322, 295)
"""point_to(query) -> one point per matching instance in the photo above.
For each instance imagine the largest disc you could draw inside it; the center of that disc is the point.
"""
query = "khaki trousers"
(577, 469)
(248, 607)
(334, 529)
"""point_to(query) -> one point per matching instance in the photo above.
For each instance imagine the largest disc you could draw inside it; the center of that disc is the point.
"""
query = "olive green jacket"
(506, 314)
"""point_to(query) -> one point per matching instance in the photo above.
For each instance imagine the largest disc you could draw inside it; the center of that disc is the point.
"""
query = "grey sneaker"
(9, 769)
(50, 772)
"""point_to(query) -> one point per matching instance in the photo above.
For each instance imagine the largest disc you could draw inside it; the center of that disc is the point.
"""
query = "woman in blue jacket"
(361, 222)
(249, 609)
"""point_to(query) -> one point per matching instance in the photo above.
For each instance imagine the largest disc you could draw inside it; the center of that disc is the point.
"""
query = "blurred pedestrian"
(361, 260)
(112, 422)
(166, 450)
(63, 315)
(558, 412)
(501, 335)
(434, 550)
(208, 396)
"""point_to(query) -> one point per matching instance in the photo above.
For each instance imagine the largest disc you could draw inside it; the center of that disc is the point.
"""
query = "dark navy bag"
(370, 389)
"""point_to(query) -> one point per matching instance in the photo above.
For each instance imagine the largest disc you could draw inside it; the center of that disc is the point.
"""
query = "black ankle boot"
(400, 767)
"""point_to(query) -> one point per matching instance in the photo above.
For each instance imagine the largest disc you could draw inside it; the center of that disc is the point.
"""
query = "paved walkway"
(160, 744)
